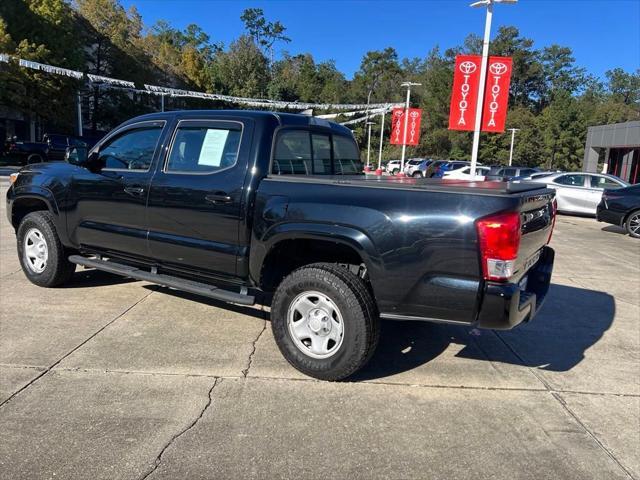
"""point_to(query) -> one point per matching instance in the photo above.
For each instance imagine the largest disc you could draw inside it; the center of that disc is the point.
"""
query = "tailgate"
(537, 216)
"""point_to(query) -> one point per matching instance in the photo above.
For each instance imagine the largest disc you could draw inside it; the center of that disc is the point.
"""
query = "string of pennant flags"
(368, 109)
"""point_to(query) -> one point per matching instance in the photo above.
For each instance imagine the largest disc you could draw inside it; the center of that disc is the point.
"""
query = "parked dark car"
(250, 207)
(506, 174)
(621, 207)
(53, 147)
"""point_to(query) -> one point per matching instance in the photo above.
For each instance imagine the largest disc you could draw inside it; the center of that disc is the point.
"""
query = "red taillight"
(554, 213)
(499, 240)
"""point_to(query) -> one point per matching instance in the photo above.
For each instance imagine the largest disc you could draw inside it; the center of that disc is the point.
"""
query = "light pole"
(406, 124)
(368, 168)
(513, 137)
(379, 169)
(483, 77)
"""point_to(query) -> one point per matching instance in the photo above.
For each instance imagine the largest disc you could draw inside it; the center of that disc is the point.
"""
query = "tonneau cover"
(428, 184)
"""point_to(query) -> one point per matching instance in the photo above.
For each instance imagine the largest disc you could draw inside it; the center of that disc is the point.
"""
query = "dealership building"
(615, 149)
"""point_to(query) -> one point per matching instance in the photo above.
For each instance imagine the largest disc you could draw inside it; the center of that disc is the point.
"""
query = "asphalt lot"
(115, 379)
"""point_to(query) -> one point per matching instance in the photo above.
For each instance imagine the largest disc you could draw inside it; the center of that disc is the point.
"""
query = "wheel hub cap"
(315, 324)
(36, 252)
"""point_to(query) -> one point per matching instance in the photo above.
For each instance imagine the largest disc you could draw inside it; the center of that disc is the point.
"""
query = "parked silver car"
(580, 192)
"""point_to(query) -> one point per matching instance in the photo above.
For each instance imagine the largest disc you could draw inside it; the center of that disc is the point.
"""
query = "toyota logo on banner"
(468, 67)
(498, 68)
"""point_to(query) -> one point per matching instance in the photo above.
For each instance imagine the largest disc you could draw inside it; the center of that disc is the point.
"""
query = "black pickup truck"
(250, 207)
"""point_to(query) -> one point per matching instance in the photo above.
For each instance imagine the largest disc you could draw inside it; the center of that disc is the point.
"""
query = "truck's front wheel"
(42, 256)
(325, 321)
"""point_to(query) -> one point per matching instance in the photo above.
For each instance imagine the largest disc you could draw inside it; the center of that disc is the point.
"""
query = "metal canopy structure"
(621, 145)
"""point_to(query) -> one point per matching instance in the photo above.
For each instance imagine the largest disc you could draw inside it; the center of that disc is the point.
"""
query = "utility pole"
(79, 107)
(406, 124)
(368, 168)
(483, 77)
(379, 169)
(513, 137)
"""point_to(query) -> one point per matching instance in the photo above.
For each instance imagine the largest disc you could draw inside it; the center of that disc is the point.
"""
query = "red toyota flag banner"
(464, 97)
(496, 94)
(397, 126)
(413, 127)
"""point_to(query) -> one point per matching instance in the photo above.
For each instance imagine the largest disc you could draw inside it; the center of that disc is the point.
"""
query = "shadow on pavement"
(250, 311)
(614, 229)
(570, 322)
(95, 278)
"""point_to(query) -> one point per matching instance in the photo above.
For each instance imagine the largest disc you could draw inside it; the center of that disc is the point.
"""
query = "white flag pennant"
(372, 113)
(99, 80)
(50, 69)
(112, 81)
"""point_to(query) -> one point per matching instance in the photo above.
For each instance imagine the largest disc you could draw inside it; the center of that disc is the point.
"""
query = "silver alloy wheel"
(35, 250)
(634, 223)
(315, 324)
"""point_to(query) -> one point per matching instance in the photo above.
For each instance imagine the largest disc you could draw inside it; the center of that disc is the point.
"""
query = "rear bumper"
(605, 215)
(505, 305)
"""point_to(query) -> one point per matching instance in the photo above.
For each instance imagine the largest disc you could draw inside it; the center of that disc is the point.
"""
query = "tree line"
(552, 99)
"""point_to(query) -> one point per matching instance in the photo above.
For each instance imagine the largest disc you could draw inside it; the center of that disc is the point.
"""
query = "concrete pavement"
(110, 378)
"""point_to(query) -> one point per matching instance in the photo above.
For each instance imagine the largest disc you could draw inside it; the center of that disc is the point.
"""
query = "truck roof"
(284, 119)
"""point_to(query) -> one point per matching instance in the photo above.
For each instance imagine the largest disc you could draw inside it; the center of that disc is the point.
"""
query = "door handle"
(218, 197)
(134, 191)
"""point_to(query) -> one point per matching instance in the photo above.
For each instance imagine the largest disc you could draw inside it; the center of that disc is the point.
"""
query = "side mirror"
(77, 155)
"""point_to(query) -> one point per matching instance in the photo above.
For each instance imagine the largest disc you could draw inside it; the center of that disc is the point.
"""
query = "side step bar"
(165, 280)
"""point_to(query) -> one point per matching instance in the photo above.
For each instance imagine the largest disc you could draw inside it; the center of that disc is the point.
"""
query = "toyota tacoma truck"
(272, 208)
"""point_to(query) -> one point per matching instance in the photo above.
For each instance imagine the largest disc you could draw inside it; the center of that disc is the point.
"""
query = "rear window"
(302, 152)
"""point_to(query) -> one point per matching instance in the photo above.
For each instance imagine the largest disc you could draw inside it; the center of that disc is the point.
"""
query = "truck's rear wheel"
(325, 321)
(41, 254)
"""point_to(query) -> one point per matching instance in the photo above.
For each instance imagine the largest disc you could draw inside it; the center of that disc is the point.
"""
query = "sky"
(603, 34)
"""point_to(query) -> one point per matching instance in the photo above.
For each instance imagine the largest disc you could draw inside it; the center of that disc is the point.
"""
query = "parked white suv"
(393, 167)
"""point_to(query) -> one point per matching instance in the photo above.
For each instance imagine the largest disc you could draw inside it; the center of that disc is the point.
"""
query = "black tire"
(34, 158)
(57, 270)
(417, 175)
(395, 171)
(631, 224)
(361, 322)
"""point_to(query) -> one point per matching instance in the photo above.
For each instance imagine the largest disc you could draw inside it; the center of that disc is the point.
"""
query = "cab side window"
(131, 150)
(199, 149)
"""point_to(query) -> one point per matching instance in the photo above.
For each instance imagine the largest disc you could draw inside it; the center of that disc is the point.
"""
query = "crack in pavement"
(245, 372)
(556, 395)
(158, 459)
(57, 362)
(311, 380)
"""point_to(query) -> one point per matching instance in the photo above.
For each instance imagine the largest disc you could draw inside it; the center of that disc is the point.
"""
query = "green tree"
(241, 71)
(264, 33)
